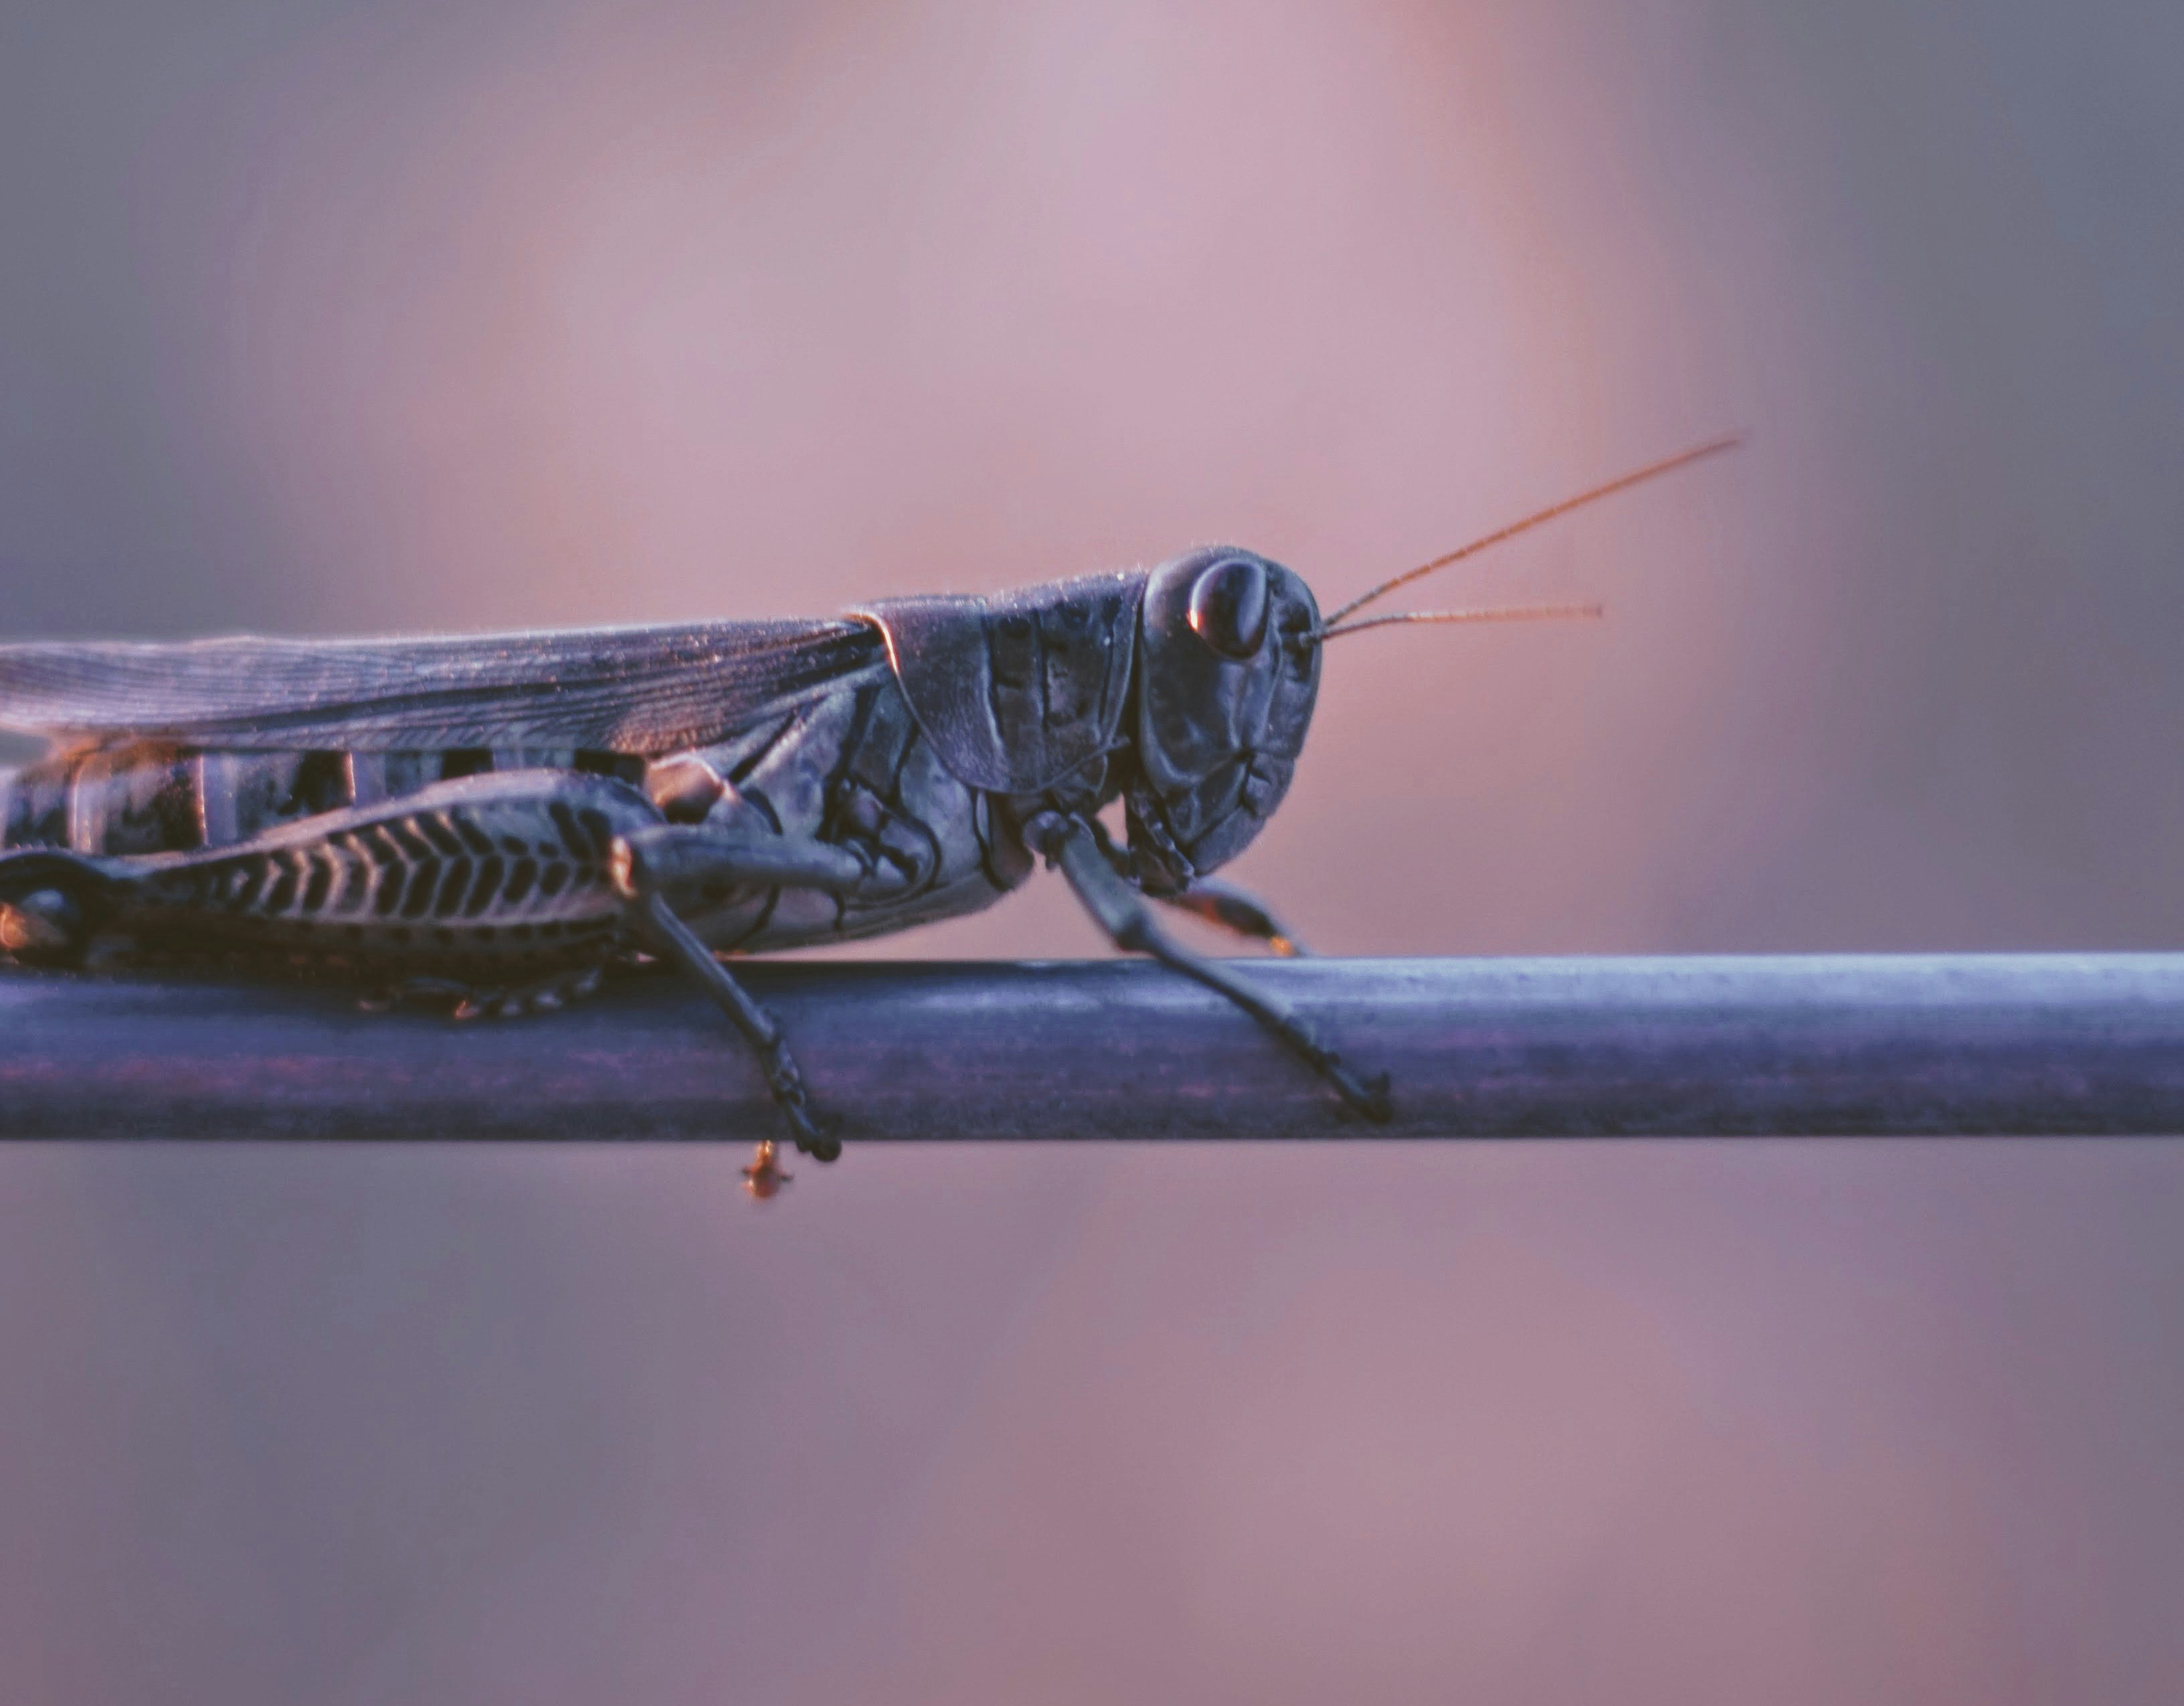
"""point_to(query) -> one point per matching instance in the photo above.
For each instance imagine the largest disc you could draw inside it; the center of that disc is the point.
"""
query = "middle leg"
(651, 865)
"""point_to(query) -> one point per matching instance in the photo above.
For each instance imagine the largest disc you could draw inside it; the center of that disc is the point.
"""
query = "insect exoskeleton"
(490, 820)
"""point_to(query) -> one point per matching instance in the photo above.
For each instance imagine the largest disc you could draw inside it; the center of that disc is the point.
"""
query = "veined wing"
(644, 690)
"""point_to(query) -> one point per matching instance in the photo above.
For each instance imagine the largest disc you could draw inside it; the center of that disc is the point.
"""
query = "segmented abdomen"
(147, 797)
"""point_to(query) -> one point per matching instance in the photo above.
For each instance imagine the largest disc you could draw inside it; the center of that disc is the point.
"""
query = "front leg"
(1239, 910)
(1121, 911)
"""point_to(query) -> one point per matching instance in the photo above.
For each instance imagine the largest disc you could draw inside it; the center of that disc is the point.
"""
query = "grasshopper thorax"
(1227, 666)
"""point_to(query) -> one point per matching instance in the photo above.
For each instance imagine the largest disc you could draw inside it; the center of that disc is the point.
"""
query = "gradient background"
(320, 317)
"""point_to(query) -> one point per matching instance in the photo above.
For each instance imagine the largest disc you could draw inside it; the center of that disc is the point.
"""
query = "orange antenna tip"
(1682, 458)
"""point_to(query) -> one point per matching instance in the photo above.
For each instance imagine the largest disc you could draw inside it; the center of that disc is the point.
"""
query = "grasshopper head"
(1228, 667)
(1227, 663)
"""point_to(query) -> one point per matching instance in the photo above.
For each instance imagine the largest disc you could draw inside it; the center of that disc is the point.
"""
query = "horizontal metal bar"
(2060, 1044)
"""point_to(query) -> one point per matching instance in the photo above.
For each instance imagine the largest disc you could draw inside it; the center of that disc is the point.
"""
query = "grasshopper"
(490, 821)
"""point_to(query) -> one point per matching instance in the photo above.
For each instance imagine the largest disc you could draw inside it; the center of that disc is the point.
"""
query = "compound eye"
(1229, 607)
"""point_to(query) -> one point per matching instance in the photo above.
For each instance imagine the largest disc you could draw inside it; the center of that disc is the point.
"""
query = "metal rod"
(2083, 1044)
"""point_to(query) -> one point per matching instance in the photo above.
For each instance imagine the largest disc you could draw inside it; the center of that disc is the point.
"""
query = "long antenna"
(1499, 613)
(1681, 459)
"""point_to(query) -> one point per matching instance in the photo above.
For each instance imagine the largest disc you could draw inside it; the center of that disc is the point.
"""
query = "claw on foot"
(787, 1084)
(809, 1140)
(1378, 1104)
(1368, 1094)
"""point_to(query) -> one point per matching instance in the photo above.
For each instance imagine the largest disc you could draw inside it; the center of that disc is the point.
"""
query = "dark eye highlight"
(1229, 607)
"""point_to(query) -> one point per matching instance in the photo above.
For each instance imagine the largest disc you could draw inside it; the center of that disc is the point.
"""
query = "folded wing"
(642, 690)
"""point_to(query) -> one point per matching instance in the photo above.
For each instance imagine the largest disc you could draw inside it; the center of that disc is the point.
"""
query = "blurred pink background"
(322, 317)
